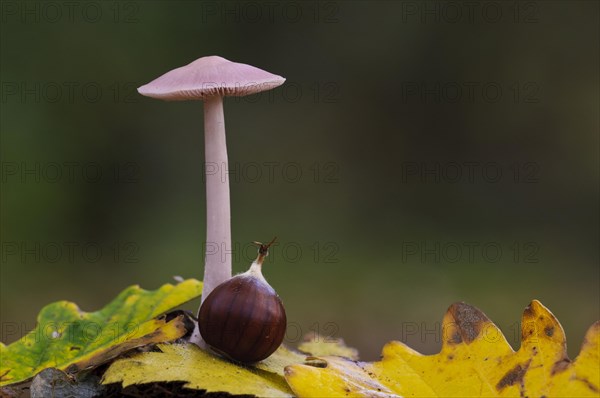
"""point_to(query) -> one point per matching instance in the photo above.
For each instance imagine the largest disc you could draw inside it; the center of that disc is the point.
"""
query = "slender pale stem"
(217, 264)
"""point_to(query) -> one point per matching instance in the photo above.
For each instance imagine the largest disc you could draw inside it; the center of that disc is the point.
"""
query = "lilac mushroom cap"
(210, 79)
(210, 76)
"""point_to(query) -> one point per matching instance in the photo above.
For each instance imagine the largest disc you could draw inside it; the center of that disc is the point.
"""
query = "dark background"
(419, 154)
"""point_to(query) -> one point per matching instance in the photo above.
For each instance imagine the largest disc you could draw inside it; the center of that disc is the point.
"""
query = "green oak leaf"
(71, 340)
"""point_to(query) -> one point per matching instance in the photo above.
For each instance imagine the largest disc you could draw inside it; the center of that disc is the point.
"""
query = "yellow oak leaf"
(202, 370)
(317, 345)
(475, 361)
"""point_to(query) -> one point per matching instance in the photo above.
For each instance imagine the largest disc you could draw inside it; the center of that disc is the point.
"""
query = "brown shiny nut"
(244, 318)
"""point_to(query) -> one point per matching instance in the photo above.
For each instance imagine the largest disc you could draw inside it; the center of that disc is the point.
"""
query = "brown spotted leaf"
(475, 361)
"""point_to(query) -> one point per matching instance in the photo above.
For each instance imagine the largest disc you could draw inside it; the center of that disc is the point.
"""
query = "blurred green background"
(420, 153)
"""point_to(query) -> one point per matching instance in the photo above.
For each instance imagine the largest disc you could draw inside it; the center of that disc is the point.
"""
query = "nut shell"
(243, 318)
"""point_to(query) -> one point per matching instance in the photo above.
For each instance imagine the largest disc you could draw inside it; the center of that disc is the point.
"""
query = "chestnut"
(243, 318)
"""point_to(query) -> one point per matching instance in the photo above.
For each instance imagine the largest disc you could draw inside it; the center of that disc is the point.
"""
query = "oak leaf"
(317, 345)
(71, 340)
(475, 361)
(202, 370)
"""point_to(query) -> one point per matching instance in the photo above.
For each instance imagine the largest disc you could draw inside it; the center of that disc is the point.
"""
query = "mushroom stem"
(217, 264)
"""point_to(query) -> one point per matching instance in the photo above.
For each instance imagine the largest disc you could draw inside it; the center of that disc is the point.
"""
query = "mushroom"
(210, 79)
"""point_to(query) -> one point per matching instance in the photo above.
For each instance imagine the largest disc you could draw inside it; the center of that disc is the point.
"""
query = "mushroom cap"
(210, 76)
